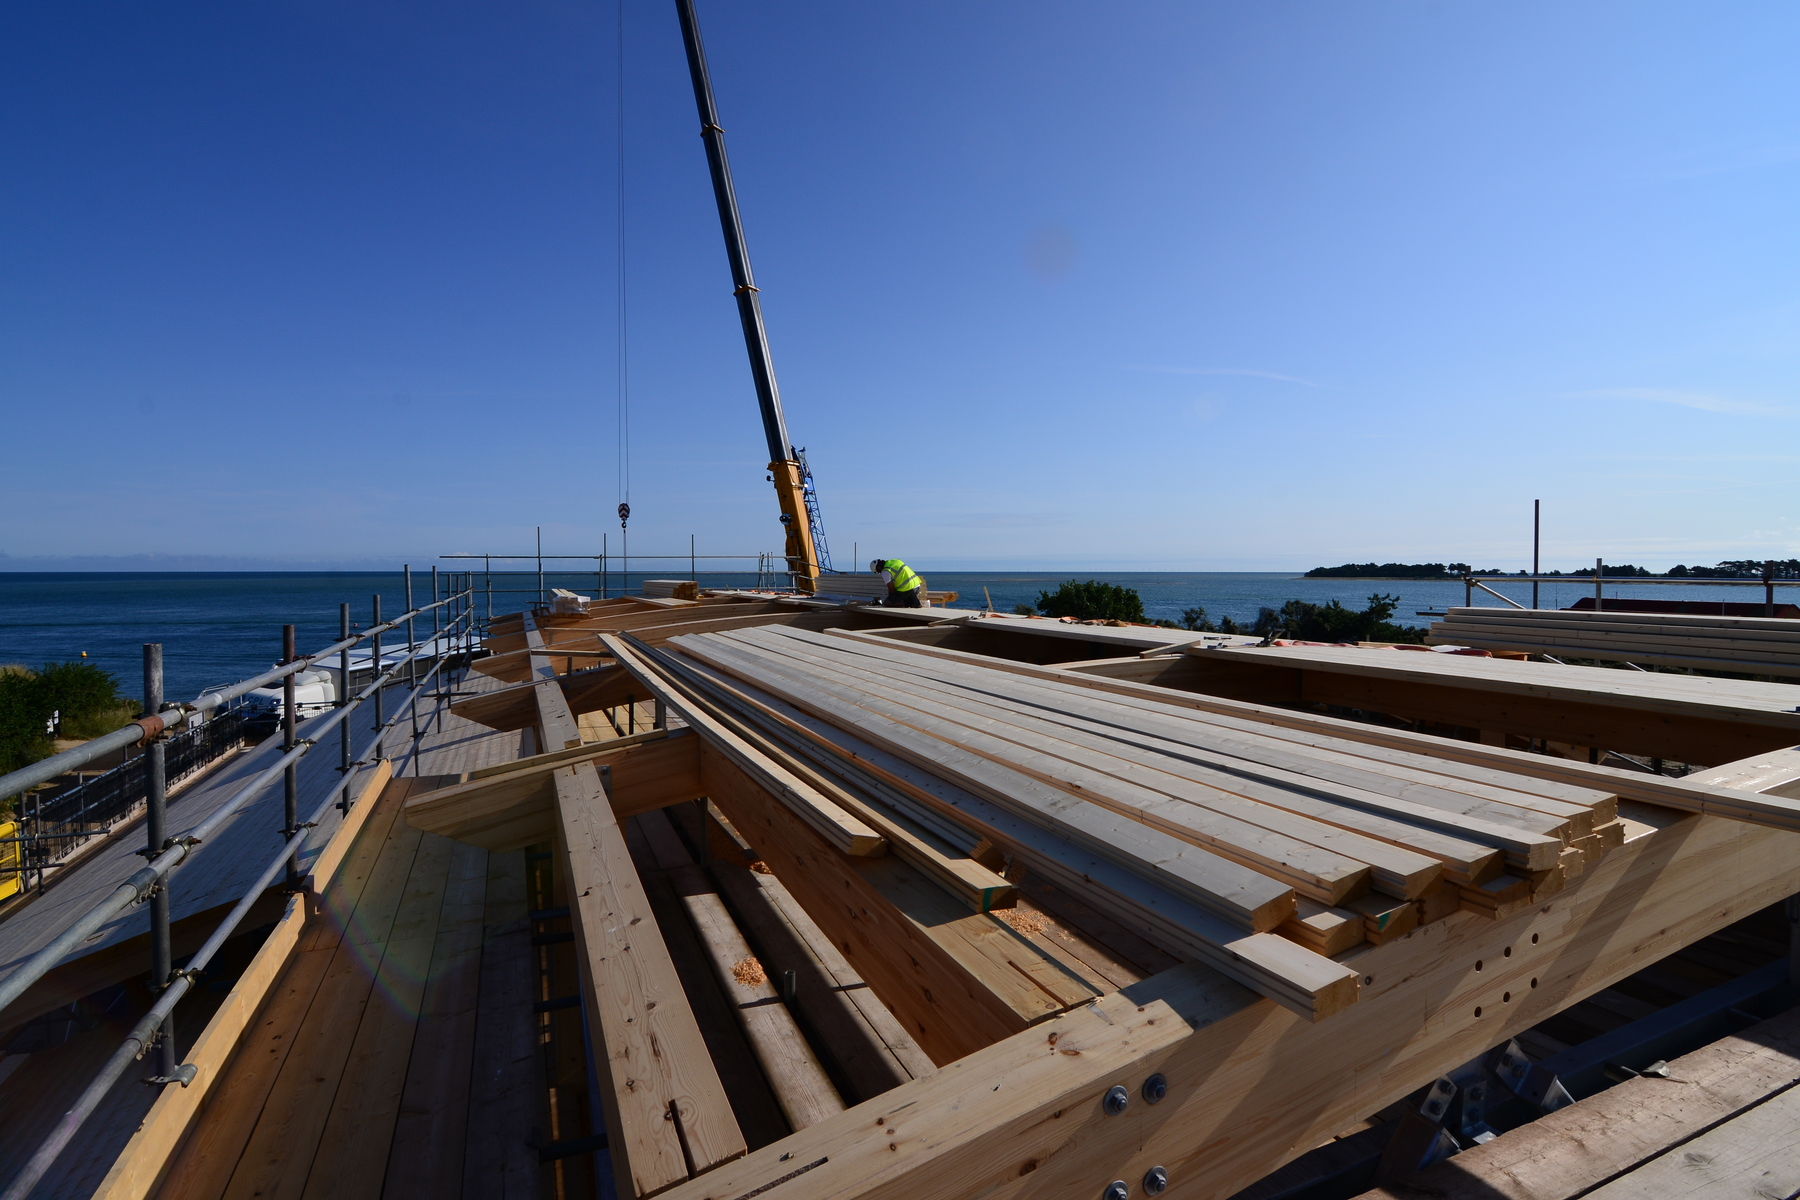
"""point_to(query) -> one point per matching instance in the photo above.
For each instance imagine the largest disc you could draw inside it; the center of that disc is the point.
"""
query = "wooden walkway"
(400, 1054)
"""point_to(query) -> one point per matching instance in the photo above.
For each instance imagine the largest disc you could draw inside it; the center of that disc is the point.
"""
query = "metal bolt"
(1155, 1180)
(1155, 1088)
(1115, 1101)
(1434, 1108)
(1118, 1189)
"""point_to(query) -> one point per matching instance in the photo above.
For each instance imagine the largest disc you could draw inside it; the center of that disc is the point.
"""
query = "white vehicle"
(315, 691)
(316, 688)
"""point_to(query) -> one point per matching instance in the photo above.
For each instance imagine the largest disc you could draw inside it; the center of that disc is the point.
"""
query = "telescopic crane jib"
(806, 551)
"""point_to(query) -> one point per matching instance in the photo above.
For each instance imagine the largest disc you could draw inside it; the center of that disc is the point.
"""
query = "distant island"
(1397, 571)
(1740, 568)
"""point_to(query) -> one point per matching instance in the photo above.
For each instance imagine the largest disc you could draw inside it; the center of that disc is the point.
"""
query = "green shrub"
(1092, 601)
(1332, 622)
(86, 696)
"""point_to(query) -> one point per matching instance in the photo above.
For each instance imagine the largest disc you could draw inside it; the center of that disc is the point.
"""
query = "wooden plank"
(1531, 839)
(923, 847)
(506, 1074)
(557, 758)
(431, 1129)
(753, 1101)
(666, 1104)
(1138, 793)
(1406, 777)
(147, 1157)
(1239, 895)
(1323, 930)
(1397, 868)
(1163, 918)
(299, 1102)
(1575, 1149)
(1768, 809)
(354, 1139)
(514, 810)
(1407, 872)
(845, 832)
(870, 1048)
(802, 1088)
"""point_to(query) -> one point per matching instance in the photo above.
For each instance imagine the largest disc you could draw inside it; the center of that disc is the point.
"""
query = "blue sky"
(1131, 285)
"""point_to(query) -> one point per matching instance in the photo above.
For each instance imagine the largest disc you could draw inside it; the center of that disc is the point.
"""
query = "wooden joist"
(510, 809)
(667, 1115)
(800, 1083)
(870, 1047)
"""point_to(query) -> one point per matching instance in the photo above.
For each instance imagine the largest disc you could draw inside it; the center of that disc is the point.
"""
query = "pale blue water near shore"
(220, 627)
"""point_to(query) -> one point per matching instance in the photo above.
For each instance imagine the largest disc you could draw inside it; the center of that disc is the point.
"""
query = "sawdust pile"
(1024, 920)
(761, 867)
(749, 972)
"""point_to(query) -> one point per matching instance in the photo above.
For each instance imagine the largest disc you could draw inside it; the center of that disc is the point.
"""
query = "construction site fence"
(49, 828)
(155, 1029)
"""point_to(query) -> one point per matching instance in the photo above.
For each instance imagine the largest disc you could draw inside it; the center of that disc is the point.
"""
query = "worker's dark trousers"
(908, 599)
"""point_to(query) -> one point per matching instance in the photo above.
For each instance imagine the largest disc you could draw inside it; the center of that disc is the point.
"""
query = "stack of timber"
(1254, 850)
(1746, 645)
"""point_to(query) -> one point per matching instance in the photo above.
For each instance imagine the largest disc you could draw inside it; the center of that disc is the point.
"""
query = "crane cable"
(623, 400)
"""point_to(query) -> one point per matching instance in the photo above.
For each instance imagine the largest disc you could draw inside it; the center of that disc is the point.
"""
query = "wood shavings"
(749, 972)
(1025, 921)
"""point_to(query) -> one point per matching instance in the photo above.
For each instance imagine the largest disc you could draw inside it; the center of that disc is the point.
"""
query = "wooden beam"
(513, 810)
(802, 1089)
(1249, 1084)
(664, 1104)
(869, 1046)
(586, 691)
(667, 1114)
(956, 979)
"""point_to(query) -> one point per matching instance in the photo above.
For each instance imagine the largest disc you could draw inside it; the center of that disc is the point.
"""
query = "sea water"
(218, 627)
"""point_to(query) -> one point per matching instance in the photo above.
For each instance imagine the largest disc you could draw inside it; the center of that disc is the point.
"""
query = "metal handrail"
(143, 882)
(148, 726)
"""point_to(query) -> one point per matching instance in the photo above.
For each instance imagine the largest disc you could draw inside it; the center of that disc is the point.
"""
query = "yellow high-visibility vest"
(904, 578)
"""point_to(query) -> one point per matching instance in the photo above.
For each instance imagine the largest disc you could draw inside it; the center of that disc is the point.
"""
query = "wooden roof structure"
(739, 898)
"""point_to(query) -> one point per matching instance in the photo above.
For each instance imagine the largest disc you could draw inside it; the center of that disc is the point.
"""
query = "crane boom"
(787, 465)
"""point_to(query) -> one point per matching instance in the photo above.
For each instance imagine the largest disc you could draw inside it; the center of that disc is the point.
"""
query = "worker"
(905, 589)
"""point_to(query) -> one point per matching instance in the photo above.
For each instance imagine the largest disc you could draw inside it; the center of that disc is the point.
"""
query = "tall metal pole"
(1769, 588)
(375, 663)
(1536, 513)
(540, 540)
(343, 699)
(156, 816)
(290, 778)
(412, 665)
(1599, 601)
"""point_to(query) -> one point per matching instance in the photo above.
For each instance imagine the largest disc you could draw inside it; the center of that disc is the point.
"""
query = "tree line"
(1297, 619)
